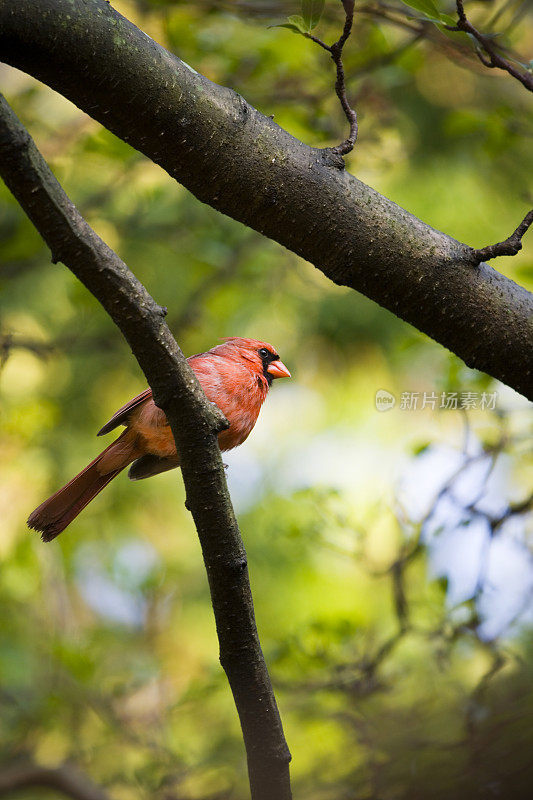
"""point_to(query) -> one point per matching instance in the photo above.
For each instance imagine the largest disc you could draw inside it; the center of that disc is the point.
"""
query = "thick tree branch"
(487, 51)
(242, 163)
(65, 779)
(194, 423)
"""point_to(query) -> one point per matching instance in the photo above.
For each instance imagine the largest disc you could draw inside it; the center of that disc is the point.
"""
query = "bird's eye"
(263, 352)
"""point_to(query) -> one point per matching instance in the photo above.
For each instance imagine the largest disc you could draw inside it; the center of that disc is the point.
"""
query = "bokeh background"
(390, 551)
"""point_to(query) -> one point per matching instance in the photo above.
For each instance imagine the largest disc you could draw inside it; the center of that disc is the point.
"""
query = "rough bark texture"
(240, 162)
(194, 423)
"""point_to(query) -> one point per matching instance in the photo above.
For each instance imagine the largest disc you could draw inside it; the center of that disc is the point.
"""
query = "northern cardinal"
(235, 375)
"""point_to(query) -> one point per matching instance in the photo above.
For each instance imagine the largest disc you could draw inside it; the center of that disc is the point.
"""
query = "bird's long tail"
(58, 511)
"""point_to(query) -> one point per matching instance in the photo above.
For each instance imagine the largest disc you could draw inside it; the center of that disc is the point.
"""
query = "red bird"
(235, 375)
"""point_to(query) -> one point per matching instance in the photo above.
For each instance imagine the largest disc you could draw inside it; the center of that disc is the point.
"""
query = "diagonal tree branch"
(243, 164)
(194, 422)
(486, 50)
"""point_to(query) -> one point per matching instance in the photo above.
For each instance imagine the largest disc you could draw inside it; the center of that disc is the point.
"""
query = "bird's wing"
(120, 417)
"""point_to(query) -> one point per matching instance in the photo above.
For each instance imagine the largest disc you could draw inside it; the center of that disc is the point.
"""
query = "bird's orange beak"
(278, 370)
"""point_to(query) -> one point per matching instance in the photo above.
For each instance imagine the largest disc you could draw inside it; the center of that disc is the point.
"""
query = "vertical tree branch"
(194, 422)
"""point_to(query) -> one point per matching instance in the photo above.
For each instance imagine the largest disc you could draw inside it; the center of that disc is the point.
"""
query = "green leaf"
(298, 22)
(289, 27)
(426, 7)
(447, 19)
(311, 12)
(430, 13)
(295, 23)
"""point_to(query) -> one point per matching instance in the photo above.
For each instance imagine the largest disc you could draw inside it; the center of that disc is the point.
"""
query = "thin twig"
(509, 247)
(335, 51)
(487, 51)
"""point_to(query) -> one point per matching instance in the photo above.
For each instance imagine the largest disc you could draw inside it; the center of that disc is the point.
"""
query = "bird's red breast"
(236, 375)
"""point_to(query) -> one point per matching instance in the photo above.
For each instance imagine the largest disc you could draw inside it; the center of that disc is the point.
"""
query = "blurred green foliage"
(108, 653)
